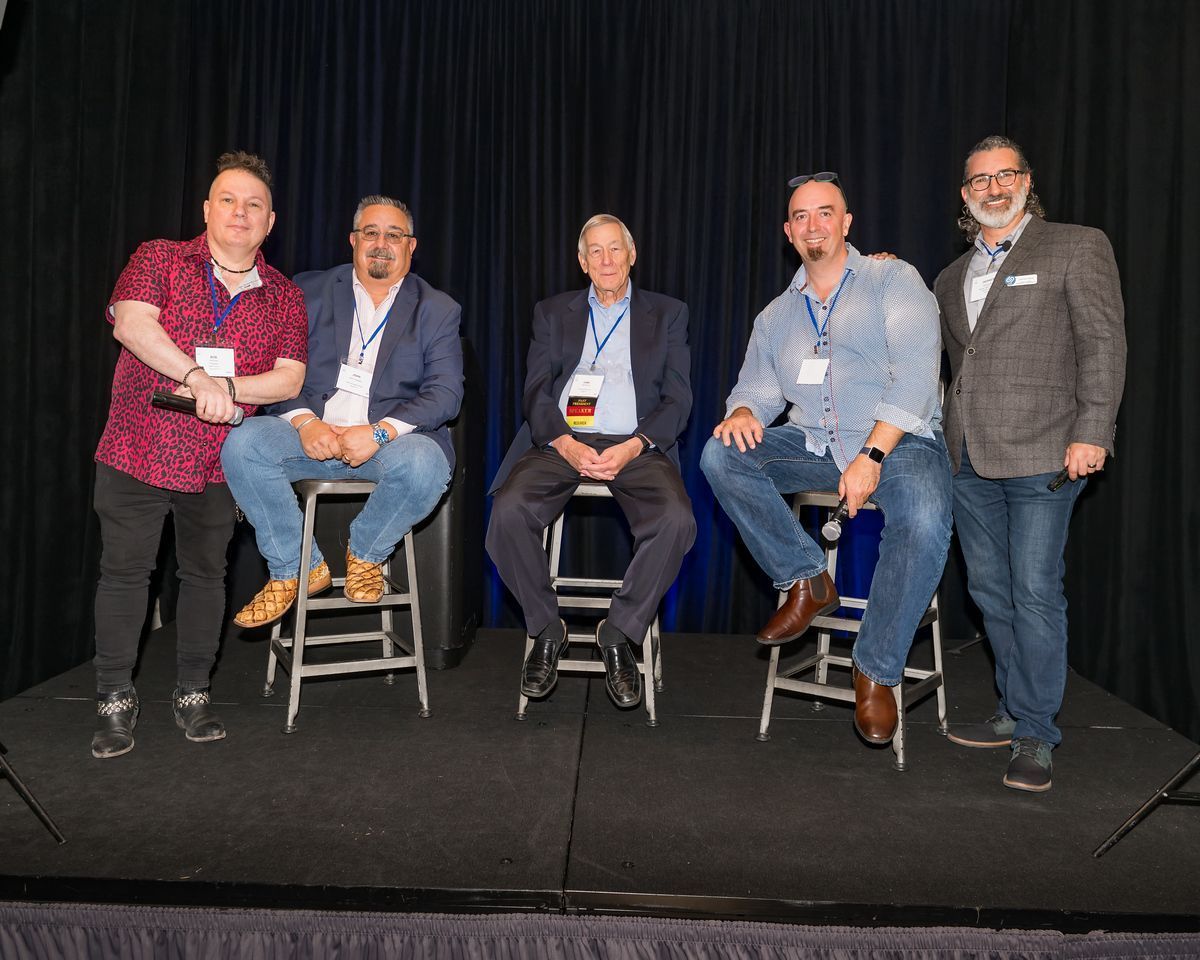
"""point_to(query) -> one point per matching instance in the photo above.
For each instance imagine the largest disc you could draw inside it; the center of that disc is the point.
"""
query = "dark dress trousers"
(534, 482)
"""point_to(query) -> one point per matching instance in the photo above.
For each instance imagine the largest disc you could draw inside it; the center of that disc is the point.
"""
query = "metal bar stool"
(926, 681)
(651, 665)
(289, 650)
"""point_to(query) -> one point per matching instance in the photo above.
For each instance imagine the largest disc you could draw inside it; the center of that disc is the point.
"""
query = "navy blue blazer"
(419, 372)
(659, 356)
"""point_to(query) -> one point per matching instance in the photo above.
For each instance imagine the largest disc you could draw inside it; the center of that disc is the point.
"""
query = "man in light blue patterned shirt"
(852, 350)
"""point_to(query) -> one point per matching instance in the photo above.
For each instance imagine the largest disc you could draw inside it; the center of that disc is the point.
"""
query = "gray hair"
(600, 220)
(1033, 204)
(379, 200)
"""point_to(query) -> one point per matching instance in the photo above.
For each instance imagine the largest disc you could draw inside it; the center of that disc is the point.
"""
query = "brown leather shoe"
(364, 581)
(875, 715)
(806, 600)
(277, 597)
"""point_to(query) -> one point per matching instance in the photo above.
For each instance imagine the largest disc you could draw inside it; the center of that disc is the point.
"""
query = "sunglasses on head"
(825, 176)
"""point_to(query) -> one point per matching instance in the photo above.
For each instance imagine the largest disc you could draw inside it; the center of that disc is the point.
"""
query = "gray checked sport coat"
(1045, 365)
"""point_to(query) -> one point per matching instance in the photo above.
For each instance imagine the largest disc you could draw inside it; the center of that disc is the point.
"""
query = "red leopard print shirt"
(175, 450)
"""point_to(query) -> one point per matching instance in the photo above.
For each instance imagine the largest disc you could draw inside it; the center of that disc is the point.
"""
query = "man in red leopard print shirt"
(206, 319)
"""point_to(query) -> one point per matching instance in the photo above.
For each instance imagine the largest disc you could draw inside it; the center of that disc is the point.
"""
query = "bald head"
(817, 221)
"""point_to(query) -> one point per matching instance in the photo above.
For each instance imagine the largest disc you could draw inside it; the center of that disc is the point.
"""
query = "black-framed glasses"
(825, 176)
(372, 234)
(1003, 178)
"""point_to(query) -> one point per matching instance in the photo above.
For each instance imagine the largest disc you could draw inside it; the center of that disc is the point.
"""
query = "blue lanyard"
(600, 344)
(990, 252)
(219, 315)
(820, 331)
(367, 342)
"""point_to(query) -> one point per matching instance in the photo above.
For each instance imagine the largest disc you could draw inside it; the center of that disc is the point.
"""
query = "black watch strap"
(873, 453)
(645, 442)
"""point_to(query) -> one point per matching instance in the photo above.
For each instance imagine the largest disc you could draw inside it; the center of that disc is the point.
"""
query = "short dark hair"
(241, 160)
(379, 200)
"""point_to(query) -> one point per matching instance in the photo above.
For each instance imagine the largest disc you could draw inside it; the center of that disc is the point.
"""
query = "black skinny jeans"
(131, 522)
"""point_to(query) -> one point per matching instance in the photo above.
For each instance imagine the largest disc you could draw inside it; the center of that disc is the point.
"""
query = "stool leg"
(943, 726)
(648, 682)
(268, 689)
(386, 624)
(418, 639)
(656, 638)
(768, 697)
(522, 700)
(300, 627)
(898, 739)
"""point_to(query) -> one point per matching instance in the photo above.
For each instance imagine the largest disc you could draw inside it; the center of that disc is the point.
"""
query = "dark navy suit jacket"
(659, 355)
(419, 372)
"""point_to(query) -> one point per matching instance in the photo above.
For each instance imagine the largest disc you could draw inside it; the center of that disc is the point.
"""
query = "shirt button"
(957, 391)
(970, 351)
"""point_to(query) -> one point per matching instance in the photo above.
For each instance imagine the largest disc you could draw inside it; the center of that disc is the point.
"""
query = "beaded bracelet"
(232, 392)
(184, 381)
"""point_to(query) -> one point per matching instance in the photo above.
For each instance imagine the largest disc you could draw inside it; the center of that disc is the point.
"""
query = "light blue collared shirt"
(616, 408)
(883, 344)
(985, 262)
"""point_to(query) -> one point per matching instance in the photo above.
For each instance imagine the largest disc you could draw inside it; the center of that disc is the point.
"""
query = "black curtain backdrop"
(505, 124)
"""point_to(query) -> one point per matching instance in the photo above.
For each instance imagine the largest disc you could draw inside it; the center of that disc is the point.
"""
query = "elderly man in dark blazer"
(384, 376)
(607, 394)
(1033, 322)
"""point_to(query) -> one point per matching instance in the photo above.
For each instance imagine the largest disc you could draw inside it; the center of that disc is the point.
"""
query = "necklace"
(225, 269)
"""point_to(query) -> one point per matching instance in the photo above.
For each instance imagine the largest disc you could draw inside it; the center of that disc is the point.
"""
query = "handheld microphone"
(1059, 479)
(832, 529)
(173, 401)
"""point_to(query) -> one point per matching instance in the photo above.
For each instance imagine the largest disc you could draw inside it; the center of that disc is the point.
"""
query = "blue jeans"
(1013, 534)
(263, 456)
(913, 494)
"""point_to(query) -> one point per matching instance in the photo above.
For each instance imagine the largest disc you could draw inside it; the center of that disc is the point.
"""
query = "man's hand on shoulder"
(580, 456)
(1083, 459)
(740, 427)
(319, 440)
(613, 460)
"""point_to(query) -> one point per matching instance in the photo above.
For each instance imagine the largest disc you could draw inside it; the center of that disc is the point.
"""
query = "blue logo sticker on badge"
(1010, 280)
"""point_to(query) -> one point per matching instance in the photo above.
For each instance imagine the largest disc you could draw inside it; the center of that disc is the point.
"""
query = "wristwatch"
(873, 453)
(380, 435)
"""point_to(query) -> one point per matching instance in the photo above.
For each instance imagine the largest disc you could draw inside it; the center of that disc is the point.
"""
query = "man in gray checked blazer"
(1033, 322)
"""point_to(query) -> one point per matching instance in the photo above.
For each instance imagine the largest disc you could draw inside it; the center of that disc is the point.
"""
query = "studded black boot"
(194, 716)
(117, 715)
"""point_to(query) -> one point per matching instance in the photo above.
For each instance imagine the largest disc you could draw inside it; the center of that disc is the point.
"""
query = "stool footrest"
(341, 603)
(606, 582)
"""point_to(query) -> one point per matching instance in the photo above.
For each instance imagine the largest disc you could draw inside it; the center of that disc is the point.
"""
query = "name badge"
(354, 379)
(1021, 280)
(216, 360)
(581, 399)
(980, 287)
(812, 371)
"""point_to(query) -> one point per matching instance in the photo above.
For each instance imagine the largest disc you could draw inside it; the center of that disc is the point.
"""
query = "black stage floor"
(585, 808)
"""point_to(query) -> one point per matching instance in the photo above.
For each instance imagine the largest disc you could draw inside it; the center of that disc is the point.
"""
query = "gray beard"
(377, 270)
(1002, 217)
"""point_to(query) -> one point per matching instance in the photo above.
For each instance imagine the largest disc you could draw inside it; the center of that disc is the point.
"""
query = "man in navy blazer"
(384, 376)
(607, 394)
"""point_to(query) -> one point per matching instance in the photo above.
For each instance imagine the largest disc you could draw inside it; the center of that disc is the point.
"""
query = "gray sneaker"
(996, 732)
(1029, 769)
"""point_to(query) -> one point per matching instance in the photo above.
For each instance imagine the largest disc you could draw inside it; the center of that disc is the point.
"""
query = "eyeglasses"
(371, 234)
(825, 176)
(1003, 178)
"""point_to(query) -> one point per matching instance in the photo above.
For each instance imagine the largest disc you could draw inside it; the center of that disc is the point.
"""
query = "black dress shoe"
(194, 716)
(540, 672)
(621, 677)
(117, 716)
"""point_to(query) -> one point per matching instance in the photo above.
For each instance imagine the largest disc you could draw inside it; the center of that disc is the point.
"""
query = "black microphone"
(1059, 479)
(173, 401)
(833, 526)
(1005, 246)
